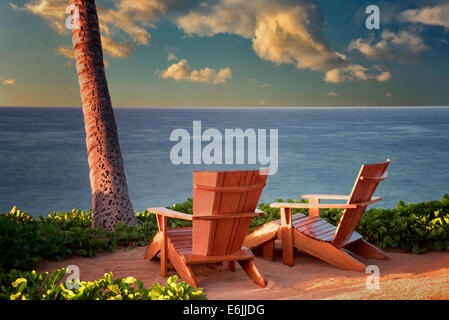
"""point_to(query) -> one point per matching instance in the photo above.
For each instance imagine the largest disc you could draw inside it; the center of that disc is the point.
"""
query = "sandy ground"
(405, 276)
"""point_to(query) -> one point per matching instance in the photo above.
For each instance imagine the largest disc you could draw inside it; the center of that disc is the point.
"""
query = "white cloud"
(182, 71)
(66, 52)
(116, 49)
(257, 84)
(52, 11)
(384, 76)
(9, 82)
(355, 72)
(171, 56)
(436, 16)
(332, 76)
(124, 18)
(222, 76)
(282, 31)
(402, 46)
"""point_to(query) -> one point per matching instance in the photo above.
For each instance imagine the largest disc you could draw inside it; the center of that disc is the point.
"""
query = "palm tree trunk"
(110, 200)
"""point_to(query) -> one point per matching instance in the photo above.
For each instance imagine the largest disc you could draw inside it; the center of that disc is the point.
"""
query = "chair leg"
(231, 266)
(154, 246)
(288, 256)
(366, 250)
(268, 249)
(253, 272)
(164, 258)
(180, 265)
(286, 233)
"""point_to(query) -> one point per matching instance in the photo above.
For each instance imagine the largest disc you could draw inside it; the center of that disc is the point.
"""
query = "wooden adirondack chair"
(223, 205)
(319, 238)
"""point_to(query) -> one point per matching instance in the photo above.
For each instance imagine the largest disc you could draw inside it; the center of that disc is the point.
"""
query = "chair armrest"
(170, 213)
(178, 215)
(325, 196)
(256, 213)
(324, 205)
(313, 205)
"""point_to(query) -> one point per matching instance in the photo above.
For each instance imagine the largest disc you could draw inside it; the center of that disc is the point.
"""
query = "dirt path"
(405, 276)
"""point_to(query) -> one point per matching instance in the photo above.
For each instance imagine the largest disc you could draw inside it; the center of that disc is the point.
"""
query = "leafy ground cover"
(29, 285)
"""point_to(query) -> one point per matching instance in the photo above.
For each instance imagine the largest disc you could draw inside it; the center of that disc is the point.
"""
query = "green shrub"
(18, 234)
(18, 285)
(25, 240)
(176, 291)
(413, 227)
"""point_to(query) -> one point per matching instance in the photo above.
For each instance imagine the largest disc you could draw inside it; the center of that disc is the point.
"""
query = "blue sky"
(233, 53)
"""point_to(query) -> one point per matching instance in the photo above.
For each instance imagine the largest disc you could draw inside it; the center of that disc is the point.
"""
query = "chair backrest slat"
(368, 179)
(221, 193)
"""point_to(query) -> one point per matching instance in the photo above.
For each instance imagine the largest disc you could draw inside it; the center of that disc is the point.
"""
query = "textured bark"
(110, 200)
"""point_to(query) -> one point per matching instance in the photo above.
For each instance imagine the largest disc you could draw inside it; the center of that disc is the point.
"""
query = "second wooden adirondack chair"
(223, 205)
(319, 238)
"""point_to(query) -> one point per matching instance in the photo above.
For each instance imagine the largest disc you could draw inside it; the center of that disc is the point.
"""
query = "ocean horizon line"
(243, 108)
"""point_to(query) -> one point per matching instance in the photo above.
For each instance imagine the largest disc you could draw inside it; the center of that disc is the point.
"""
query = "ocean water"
(43, 161)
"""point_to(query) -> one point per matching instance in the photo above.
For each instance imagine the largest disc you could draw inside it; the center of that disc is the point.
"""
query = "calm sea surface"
(43, 161)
